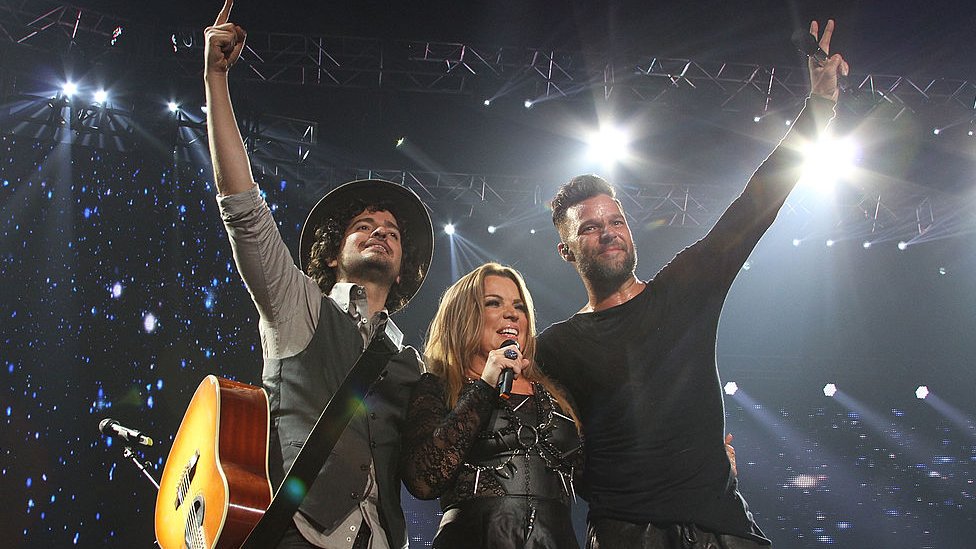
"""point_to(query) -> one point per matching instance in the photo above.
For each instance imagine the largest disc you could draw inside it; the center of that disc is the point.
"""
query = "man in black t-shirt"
(639, 358)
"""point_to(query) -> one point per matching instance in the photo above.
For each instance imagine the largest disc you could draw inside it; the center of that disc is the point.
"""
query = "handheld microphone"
(507, 376)
(807, 44)
(111, 427)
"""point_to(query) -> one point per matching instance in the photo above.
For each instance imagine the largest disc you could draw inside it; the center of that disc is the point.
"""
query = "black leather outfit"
(503, 470)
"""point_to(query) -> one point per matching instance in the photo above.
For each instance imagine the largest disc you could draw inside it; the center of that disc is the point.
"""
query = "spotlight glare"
(399, 142)
(101, 96)
(829, 160)
(492, 229)
(608, 145)
(756, 119)
(528, 103)
(942, 271)
(449, 229)
(903, 245)
(867, 244)
(830, 389)
(487, 102)
(69, 88)
(796, 241)
(172, 106)
(936, 131)
(971, 133)
(830, 242)
(921, 392)
(731, 387)
(531, 231)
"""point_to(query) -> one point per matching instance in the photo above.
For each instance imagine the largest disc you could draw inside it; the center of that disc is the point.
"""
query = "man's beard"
(606, 273)
(378, 270)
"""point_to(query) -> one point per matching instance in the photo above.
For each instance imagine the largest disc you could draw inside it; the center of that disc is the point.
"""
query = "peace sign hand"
(824, 77)
(224, 42)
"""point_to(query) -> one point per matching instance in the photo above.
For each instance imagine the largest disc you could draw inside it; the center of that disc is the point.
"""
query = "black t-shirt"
(644, 378)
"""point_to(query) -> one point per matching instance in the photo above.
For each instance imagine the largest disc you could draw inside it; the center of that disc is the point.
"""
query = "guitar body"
(215, 486)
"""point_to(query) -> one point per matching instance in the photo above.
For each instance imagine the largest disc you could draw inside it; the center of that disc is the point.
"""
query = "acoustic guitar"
(215, 486)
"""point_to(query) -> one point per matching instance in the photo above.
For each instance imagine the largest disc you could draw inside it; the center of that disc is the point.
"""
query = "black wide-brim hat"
(411, 213)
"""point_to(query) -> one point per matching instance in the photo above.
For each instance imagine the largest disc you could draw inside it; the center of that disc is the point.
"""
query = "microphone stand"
(129, 454)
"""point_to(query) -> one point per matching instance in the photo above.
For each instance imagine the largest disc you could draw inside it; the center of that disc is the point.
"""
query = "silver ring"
(511, 354)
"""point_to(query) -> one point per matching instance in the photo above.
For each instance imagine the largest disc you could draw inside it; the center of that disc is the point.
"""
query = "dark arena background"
(847, 344)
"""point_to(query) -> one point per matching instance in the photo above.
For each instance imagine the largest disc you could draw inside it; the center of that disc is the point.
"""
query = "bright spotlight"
(172, 106)
(796, 241)
(487, 102)
(830, 389)
(921, 392)
(101, 96)
(449, 229)
(492, 229)
(829, 160)
(942, 271)
(69, 88)
(936, 131)
(867, 244)
(528, 103)
(608, 145)
(903, 245)
(399, 142)
(756, 119)
(830, 243)
(731, 387)
(531, 231)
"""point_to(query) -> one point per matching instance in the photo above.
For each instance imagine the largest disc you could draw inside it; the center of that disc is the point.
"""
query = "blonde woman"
(502, 467)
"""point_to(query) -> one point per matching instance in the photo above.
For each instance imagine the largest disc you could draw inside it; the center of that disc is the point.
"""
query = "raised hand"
(824, 77)
(224, 42)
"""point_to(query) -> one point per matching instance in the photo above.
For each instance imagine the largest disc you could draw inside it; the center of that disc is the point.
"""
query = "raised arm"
(224, 42)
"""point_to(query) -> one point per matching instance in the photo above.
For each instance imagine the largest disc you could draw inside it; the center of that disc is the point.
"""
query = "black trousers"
(617, 534)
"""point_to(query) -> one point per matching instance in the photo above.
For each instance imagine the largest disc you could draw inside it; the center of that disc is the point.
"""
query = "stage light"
(829, 160)
(830, 389)
(921, 392)
(608, 145)
(970, 133)
(487, 102)
(789, 122)
(942, 271)
(756, 119)
(528, 103)
(399, 142)
(172, 106)
(936, 131)
(101, 96)
(830, 243)
(796, 241)
(449, 229)
(867, 244)
(903, 245)
(492, 229)
(69, 88)
(731, 387)
(531, 231)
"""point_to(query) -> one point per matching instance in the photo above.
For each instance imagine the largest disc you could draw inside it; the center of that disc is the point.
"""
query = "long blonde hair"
(454, 336)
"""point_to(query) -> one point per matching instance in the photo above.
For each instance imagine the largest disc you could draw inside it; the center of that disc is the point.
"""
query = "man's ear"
(333, 263)
(565, 252)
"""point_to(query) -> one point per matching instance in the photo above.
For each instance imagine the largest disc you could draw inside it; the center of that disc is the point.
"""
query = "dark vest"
(298, 389)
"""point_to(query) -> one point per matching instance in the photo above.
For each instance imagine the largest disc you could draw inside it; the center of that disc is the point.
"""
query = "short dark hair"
(328, 243)
(575, 191)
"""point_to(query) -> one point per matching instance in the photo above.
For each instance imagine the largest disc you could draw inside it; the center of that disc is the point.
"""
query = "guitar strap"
(344, 404)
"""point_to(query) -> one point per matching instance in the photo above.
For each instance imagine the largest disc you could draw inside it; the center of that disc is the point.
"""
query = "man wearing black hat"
(367, 245)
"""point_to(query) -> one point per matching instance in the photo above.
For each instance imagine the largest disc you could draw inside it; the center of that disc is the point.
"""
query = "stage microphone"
(110, 427)
(507, 376)
(807, 44)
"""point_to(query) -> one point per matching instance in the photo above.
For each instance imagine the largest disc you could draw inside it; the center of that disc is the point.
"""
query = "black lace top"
(479, 449)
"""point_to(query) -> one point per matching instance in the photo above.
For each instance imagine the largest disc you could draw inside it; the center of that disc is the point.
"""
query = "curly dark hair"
(328, 242)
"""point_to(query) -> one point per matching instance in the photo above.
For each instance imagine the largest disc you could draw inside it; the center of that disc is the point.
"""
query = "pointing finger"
(224, 14)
